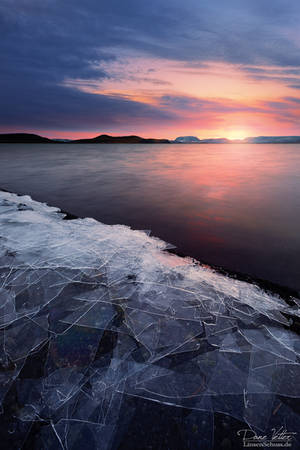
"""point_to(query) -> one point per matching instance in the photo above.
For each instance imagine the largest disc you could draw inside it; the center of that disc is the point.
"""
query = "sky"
(165, 68)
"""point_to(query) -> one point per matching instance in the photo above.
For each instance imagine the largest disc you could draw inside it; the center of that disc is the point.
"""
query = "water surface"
(235, 205)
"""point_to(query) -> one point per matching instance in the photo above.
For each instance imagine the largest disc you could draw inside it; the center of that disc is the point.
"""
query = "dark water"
(237, 206)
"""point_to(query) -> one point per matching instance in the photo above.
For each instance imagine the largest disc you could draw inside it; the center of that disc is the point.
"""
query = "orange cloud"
(208, 100)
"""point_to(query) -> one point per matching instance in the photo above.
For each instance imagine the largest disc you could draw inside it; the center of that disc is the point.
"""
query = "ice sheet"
(97, 320)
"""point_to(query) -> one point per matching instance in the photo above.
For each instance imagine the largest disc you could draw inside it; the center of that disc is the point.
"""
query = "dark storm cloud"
(60, 108)
(44, 42)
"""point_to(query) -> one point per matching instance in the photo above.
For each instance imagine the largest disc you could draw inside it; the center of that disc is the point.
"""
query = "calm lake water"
(237, 206)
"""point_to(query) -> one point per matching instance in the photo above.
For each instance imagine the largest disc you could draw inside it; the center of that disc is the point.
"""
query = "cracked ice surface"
(100, 327)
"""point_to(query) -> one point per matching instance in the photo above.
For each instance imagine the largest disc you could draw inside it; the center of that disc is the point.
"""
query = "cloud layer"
(45, 45)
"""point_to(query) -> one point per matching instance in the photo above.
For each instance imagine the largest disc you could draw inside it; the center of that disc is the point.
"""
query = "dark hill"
(22, 138)
(106, 139)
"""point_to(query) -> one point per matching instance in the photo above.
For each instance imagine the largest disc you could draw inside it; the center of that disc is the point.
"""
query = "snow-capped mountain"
(186, 139)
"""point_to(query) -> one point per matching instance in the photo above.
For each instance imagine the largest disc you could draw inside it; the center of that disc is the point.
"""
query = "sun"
(236, 134)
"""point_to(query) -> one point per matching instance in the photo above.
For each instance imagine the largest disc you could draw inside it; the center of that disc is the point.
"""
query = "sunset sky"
(160, 68)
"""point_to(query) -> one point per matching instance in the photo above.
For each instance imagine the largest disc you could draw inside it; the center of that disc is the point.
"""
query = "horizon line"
(146, 138)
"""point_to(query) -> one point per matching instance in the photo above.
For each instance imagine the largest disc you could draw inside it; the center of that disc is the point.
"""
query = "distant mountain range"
(187, 140)
(274, 140)
(250, 140)
(195, 140)
(26, 138)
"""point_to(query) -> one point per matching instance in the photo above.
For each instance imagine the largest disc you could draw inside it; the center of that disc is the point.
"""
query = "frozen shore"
(100, 328)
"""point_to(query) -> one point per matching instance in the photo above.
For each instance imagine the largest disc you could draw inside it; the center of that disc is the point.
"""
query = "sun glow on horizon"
(236, 135)
(211, 100)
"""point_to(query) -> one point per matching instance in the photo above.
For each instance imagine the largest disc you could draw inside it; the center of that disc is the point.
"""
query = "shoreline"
(285, 292)
(288, 295)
